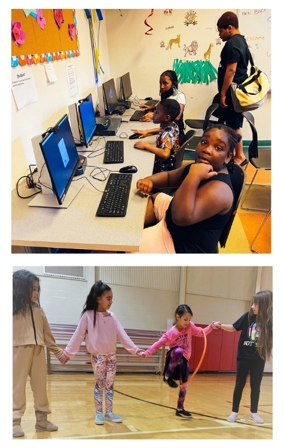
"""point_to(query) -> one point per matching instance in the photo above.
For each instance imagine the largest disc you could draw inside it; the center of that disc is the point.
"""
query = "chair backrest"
(253, 146)
(180, 153)
(238, 179)
(210, 111)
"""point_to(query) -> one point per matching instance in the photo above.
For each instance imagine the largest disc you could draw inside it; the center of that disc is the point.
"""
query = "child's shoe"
(171, 382)
(99, 419)
(17, 429)
(110, 416)
(183, 413)
(233, 417)
(256, 418)
(43, 424)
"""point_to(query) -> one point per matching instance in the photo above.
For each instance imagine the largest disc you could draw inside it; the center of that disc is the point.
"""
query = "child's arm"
(228, 327)
(125, 340)
(160, 180)
(192, 204)
(146, 132)
(159, 152)
(76, 340)
(49, 338)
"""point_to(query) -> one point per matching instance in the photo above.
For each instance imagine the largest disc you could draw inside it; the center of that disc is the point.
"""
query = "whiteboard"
(255, 25)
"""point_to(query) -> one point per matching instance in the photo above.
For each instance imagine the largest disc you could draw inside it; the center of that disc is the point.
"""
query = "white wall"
(213, 293)
(123, 47)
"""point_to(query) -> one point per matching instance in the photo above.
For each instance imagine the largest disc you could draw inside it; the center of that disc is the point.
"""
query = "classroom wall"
(123, 47)
(54, 98)
(130, 49)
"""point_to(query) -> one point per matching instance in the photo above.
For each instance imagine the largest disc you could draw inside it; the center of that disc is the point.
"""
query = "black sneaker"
(183, 413)
(171, 383)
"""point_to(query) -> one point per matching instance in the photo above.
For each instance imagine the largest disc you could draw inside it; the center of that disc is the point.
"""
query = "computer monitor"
(126, 86)
(111, 100)
(87, 119)
(61, 157)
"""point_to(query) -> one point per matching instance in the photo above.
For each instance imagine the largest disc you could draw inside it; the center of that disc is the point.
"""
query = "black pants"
(255, 368)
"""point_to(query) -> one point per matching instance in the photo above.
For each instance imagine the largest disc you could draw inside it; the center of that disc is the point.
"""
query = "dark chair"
(202, 124)
(260, 160)
(196, 123)
(238, 179)
(180, 153)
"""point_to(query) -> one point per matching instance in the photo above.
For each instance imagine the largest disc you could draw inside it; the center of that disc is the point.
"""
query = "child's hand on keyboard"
(147, 117)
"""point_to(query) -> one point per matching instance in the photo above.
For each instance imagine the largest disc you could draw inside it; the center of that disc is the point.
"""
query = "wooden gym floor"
(147, 406)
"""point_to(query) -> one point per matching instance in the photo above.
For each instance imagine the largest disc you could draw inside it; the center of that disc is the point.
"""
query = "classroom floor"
(147, 405)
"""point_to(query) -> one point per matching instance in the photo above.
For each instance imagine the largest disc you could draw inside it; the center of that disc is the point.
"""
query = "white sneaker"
(233, 417)
(113, 417)
(256, 418)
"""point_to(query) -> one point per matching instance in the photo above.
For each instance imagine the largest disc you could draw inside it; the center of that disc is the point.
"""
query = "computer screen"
(61, 157)
(126, 86)
(111, 101)
(87, 119)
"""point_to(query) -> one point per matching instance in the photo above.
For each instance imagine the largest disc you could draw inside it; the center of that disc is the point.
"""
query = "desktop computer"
(107, 126)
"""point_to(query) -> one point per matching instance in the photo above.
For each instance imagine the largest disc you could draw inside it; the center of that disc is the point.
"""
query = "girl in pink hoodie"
(179, 340)
(101, 330)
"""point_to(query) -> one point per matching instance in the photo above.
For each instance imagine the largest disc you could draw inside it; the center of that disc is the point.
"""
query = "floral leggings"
(104, 367)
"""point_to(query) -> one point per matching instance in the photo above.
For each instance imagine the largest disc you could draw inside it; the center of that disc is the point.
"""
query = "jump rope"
(190, 379)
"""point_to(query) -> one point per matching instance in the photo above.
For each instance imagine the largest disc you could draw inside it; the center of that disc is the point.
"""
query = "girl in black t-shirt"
(254, 348)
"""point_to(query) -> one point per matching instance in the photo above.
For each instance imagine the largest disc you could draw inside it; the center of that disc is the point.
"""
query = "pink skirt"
(157, 239)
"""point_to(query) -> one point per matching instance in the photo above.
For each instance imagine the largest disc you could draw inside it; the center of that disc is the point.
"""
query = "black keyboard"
(114, 151)
(151, 102)
(115, 196)
(137, 115)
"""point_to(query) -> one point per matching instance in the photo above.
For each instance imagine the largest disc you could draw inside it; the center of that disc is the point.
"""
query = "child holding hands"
(31, 333)
(254, 348)
(179, 340)
(101, 330)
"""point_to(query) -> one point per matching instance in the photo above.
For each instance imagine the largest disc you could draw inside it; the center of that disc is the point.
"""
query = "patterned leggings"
(104, 367)
(175, 359)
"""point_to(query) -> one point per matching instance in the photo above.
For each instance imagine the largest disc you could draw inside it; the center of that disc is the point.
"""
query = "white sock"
(254, 416)
(233, 417)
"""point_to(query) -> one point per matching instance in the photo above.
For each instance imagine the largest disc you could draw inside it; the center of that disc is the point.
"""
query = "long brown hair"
(264, 319)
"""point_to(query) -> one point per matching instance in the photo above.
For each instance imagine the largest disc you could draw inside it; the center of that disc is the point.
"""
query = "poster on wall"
(23, 86)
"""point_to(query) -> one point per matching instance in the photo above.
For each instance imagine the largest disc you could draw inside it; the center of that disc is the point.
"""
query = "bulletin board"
(255, 25)
(39, 37)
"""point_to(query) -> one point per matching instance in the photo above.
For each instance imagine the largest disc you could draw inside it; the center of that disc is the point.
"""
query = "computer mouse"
(128, 169)
(132, 136)
(148, 98)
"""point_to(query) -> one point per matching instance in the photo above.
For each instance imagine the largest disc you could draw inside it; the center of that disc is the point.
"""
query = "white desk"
(77, 227)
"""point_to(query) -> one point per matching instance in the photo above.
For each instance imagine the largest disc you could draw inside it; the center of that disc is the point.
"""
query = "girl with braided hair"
(254, 348)
(193, 219)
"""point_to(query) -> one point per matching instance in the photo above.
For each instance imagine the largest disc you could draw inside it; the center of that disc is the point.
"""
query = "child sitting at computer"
(167, 141)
